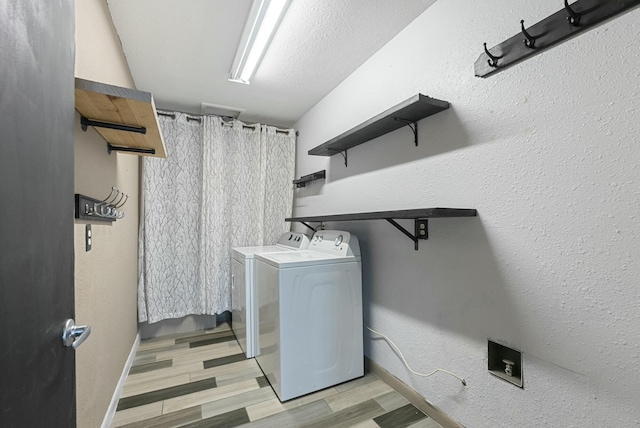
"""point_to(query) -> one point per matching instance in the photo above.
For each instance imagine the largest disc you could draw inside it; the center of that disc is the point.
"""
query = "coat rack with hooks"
(108, 209)
(568, 22)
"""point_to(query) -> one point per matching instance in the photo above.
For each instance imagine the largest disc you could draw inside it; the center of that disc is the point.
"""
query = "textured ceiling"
(182, 50)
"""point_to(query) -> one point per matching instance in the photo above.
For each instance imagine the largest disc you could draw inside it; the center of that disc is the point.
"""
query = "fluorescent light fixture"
(263, 20)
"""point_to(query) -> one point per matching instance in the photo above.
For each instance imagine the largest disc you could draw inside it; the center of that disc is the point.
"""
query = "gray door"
(37, 374)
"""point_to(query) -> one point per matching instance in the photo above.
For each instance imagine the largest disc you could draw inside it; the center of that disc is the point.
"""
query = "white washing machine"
(310, 309)
(244, 304)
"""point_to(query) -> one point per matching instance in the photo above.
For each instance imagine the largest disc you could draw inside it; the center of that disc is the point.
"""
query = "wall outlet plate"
(505, 363)
(88, 237)
(422, 228)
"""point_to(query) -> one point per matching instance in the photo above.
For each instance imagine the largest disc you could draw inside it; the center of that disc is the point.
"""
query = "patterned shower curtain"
(222, 185)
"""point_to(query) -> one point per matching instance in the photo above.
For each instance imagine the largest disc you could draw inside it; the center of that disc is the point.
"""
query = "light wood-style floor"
(202, 379)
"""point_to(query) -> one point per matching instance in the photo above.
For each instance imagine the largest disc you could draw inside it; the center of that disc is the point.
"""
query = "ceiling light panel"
(261, 25)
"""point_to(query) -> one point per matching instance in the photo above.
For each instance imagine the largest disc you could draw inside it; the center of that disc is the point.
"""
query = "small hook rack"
(107, 209)
(302, 181)
(567, 22)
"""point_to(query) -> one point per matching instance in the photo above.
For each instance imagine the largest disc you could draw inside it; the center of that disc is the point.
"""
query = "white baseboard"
(111, 411)
(177, 325)
(416, 399)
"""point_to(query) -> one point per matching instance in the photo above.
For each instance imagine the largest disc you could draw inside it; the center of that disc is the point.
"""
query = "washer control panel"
(294, 240)
(336, 242)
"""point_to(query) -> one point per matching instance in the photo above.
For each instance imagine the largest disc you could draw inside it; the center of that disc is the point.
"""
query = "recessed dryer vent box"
(505, 363)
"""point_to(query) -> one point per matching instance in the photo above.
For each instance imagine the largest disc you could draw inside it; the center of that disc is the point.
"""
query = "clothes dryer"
(244, 309)
(310, 315)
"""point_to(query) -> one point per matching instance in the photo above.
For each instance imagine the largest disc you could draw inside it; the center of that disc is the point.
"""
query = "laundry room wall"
(106, 276)
(547, 152)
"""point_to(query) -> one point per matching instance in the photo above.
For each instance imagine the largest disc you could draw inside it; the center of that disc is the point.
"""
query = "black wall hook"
(574, 17)
(493, 59)
(529, 41)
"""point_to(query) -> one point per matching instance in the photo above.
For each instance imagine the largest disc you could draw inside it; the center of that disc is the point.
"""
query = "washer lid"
(291, 259)
(240, 253)
(288, 241)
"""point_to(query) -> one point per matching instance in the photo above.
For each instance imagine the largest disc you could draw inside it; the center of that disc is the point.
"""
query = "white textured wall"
(548, 152)
(105, 277)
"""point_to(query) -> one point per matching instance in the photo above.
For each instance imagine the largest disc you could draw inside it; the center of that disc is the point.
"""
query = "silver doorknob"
(73, 335)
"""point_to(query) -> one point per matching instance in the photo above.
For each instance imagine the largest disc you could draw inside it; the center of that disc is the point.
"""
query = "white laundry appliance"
(310, 310)
(244, 305)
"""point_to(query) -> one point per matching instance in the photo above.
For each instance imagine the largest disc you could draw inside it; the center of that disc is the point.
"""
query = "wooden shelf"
(419, 216)
(407, 113)
(100, 102)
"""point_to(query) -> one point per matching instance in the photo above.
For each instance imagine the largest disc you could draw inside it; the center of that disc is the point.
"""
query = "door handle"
(73, 335)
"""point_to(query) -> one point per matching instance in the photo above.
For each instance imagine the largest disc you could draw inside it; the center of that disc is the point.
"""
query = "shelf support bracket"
(308, 226)
(421, 230)
(411, 124)
(111, 148)
(84, 122)
(342, 152)
(344, 155)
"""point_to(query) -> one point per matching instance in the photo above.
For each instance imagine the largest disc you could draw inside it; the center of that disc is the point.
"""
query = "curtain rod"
(198, 118)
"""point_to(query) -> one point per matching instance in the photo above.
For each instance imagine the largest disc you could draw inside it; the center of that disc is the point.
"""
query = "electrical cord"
(464, 382)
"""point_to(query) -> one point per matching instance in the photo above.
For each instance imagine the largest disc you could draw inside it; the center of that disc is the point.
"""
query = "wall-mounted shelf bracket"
(111, 148)
(344, 155)
(411, 124)
(309, 227)
(117, 126)
(421, 227)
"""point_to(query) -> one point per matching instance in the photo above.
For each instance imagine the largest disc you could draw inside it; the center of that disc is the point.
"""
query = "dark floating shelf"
(302, 181)
(568, 22)
(407, 113)
(419, 216)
